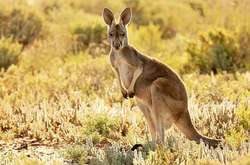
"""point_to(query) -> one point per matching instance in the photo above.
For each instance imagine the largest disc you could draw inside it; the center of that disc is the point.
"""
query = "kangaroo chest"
(126, 71)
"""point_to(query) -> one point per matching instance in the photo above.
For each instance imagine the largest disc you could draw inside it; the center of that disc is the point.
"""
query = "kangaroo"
(159, 92)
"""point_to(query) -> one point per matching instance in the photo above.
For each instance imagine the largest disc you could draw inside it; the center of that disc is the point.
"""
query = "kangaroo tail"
(186, 126)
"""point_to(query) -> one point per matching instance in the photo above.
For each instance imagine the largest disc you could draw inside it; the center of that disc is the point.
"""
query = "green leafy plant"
(215, 50)
(100, 127)
(76, 153)
(9, 52)
(21, 24)
(90, 37)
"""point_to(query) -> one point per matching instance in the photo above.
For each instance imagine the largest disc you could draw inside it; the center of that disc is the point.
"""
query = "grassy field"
(60, 102)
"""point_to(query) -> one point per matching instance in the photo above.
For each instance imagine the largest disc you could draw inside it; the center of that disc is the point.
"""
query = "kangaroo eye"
(110, 34)
(123, 34)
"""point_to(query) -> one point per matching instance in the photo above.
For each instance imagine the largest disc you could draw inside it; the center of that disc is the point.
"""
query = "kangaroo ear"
(108, 16)
(125, 16)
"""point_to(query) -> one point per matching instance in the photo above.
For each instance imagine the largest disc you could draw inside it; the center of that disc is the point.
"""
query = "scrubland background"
(60, 102)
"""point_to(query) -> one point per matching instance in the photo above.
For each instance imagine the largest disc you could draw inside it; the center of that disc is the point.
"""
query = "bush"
(22, 25)
(9, 52)
(162, 156)
(244, 48)
(243, 114)
(90, 37)
(76, 153)
(147, 38)
(101, 127)
(217, 50)
(236, 137)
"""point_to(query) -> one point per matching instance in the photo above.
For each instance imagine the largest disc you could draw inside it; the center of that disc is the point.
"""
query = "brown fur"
(159, 91)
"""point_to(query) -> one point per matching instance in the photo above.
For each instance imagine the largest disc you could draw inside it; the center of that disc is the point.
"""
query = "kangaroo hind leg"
(161, 113)
(151, 124)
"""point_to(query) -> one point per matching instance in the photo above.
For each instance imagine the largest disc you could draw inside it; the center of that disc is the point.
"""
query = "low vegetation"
(60, 102)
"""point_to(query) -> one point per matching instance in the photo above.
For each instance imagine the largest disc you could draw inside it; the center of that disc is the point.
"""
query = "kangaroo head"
(117, 32)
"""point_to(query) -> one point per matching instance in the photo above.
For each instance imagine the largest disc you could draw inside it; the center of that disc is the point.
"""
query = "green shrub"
(76, 153)
(9, 52)
(22, 25)
(162, 156)
(147, 38)
(113, 156)
(244, 48)
(91, 37)
(243, 114)
(101, 127)
(216, 50)
(236, 137)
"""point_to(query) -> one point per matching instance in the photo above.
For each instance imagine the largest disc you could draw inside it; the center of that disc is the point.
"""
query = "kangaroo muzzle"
(117, 44)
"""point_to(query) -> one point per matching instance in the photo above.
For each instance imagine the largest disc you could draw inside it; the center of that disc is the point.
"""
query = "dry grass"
(73, 119)
(60, 102)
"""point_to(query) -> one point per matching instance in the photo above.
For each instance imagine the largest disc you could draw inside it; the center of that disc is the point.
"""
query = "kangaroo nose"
(117, 45)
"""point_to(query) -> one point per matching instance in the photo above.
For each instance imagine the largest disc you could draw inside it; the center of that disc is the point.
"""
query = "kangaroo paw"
(125, 95)
(131, 94)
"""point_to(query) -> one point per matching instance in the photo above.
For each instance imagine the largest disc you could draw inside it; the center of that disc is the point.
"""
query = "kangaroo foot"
(137, 147)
